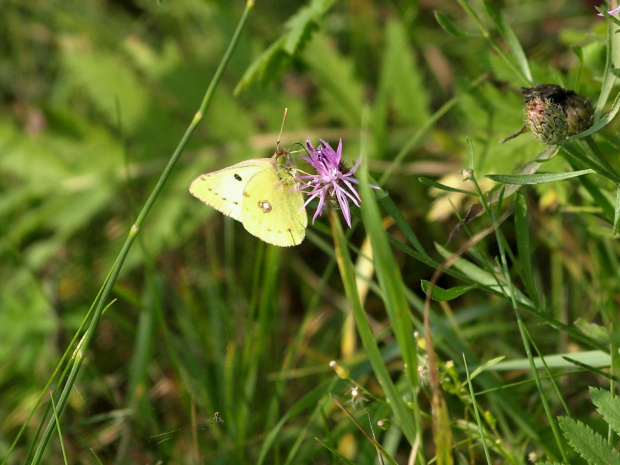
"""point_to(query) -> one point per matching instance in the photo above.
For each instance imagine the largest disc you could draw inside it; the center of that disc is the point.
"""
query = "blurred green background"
(94, 97)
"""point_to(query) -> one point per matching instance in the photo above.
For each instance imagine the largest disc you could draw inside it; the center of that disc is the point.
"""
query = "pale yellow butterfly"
(261, 194)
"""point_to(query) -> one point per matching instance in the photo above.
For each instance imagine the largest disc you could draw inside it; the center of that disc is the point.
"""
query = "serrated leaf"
(538, 178)
(268, 66)
(597, 332)
(402, 77)
(302, 24)
(608, 406)
(108, 80)
(443, 295)
(336, 78)
(278, 56)
(590, 445)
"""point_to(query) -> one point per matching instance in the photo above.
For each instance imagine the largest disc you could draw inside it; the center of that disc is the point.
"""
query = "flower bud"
(576, 109)
(546, 120)
(384, 424)
(342, 372)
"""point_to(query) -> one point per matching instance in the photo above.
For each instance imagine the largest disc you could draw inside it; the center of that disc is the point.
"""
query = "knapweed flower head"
(553, 113)
(546, 120)
(330, 181)
(576, 109)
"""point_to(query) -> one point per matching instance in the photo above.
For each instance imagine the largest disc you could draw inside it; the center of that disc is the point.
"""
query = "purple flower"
(612, 12)
(330, 180)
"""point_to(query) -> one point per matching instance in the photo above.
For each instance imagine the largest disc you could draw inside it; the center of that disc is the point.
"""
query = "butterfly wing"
(223, 189)
(270, 208)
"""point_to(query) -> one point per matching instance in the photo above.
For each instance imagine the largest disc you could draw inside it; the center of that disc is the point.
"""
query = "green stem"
(107, 289)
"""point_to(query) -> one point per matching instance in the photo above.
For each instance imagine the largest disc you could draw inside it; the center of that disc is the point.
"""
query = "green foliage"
(186, 340)
(444, 295)
(587, 443)
(270, 65)
(539, 178)
(590, 445)
(607, 406)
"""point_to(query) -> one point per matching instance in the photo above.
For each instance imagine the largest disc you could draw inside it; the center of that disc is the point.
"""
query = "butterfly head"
(282, 157)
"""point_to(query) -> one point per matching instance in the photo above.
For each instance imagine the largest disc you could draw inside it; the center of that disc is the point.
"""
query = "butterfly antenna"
(281, 128)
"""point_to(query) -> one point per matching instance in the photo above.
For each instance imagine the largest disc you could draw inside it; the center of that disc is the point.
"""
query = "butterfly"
(261, 194)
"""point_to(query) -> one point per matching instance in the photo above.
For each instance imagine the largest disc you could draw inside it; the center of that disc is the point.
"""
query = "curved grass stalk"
(102, 297)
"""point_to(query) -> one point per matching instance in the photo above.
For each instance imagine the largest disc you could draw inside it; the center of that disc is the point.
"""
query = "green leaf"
(538, 178)
(308, 401)
(616, 225)
(388, 204)
(302, 24)
(278, 56)
(579, 52)
(594, 330)
(510, 37)
(482, 277)
(341, 458)
(394, 296)
(587, 443)
(591, 357)
(336, 79)
(444, 295)
(347, 274)
(108, 80)
(403, 78)
(608, 406)
(577, 153)
(443, 187)
(594, 189)
(267, 67)
(447, 25)
(486, 366)
(522, 229)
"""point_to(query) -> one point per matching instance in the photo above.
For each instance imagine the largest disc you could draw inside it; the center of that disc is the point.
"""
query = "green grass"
(138, 325)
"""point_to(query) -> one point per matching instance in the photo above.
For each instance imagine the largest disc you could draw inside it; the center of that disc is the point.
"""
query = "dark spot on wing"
(238, 178)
